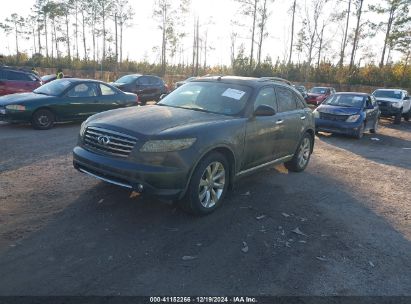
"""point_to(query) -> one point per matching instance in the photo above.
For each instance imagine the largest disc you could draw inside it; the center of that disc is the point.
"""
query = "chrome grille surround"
(118, 144)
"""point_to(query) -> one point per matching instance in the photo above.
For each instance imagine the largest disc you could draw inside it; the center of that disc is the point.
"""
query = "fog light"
(140, 188)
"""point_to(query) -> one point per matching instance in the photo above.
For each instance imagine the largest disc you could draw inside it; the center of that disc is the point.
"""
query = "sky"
(215, 18)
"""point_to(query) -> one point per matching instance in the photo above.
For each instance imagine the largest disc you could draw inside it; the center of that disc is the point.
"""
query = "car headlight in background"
(397, 105)
(83, 128)
(316, 114)
(16, 107)
(167, 145)
(353, 118)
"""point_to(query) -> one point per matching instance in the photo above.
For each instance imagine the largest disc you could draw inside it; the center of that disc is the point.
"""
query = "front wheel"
(42, 119)
(208, 185)
(397, 119)
(360, 132)
(407, 115)
(302, 156)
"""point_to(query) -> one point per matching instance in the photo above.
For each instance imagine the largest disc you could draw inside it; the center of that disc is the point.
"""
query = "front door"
(262, 132)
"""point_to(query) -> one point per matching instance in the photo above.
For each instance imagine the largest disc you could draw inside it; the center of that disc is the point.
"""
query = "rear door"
(262, 132)
(109, 99)
(291, 116)
(144, 88)
(81, 101)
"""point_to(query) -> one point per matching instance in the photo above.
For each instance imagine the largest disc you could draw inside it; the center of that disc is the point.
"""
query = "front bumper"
(390, 111)
(347, 128)
(14, 116)
(165, 182)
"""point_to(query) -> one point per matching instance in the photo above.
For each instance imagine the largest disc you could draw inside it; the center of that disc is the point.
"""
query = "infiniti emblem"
(103, 140)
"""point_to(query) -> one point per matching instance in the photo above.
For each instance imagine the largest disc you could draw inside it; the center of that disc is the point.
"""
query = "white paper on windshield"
(397, 92)
(358, 98)
(233, 93)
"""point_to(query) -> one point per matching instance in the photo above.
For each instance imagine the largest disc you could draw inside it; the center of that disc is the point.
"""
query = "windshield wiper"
(41, 93)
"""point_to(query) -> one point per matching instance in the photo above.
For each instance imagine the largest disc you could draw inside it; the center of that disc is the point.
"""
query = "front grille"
(118, 144)
(383, 103)
(333, 117)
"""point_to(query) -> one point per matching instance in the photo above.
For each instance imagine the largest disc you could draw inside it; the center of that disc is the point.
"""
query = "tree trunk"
(357, 29)
(253, 31)
(320, 47)
(46, 36)
(262, 28)
(116, 37)
(17, 37)
(121, 42)
(292, 32)
(76, 29)
(387, 35)
(103, 15)
(197, 45)
(84, 36)
(68, 37)
(344, 44)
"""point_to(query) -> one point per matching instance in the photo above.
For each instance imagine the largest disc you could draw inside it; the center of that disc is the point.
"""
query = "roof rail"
(277, 79)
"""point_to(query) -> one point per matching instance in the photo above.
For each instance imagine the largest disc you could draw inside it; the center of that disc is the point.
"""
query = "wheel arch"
(227, 152)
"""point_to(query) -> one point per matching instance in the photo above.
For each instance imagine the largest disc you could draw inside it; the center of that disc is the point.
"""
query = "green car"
(63, 100)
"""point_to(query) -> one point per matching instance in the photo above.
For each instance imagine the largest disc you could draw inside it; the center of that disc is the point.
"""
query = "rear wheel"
(208, 185)
(302, 156)
(42, 119)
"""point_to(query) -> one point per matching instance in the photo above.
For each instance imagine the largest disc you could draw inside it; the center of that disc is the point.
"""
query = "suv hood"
(151, 120)
(338, 110)
(21, 98)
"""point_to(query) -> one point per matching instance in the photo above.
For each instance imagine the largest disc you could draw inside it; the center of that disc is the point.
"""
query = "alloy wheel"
(212, 184)
(304, 152)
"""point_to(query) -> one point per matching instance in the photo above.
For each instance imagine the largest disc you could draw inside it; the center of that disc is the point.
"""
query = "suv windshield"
(388, 94)
(346, 100)
(319, 90)
(54, 88)
(213, 97)
(127, 79)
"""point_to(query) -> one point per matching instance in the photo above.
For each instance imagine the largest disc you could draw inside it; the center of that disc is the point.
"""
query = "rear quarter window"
(286, 100)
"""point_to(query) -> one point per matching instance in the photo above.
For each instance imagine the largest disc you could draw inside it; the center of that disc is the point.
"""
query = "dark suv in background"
(17, 81)
(147, 87)
(199, 139)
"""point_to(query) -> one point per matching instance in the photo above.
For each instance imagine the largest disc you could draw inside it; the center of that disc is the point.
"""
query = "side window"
(83, 90)
(106, 91)
(298, 102)
(15, 76)
(143, 81)
(3, 75)
(286, 100)
(373, 100)
(369, 101)
(267, 97)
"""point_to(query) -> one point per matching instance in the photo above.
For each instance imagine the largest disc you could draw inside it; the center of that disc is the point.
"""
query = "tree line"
(324, 36)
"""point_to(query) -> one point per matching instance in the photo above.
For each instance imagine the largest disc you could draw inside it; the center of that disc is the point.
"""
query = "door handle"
(279, 122)
(302, 117)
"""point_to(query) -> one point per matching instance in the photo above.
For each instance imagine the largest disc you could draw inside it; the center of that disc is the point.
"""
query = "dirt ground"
(63, 233)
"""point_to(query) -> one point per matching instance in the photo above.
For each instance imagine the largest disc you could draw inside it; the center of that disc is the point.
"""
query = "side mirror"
(162, 96)
(407, 98)
(264, 110)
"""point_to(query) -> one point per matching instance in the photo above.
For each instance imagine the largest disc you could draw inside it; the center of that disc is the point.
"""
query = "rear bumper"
(165, 182)
(348, 128)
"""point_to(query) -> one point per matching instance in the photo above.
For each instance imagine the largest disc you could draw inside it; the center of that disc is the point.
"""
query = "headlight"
(316, 114)
(397, 104)
(353, 118)
(16, 107)
(83, 128)
(167, 145)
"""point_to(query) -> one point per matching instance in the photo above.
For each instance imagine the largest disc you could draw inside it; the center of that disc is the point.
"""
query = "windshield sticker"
(233, 93)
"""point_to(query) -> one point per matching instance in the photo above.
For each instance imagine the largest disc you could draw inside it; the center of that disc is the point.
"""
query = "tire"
(397, 119)
(42, 119)
(205, 194)
(302, 156)
(407, 115)
(360, 132)
(375, 127)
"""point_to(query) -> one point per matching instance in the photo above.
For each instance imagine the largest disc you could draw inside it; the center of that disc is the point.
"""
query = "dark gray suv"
(199, 139)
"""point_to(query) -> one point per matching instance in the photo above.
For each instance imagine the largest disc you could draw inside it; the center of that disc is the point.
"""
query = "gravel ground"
(63, 233)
